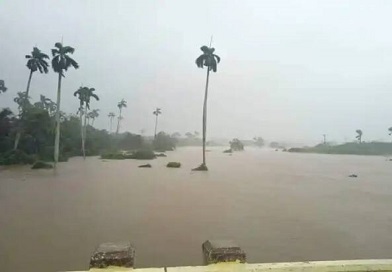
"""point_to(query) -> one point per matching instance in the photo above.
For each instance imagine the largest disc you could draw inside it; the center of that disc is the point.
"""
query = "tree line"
(41, 128)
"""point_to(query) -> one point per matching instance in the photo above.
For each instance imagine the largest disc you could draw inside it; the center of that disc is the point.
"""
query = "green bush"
(173, 165)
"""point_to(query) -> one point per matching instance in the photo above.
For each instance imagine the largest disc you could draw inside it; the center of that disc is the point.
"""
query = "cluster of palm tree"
(61, 61)
(38, 61)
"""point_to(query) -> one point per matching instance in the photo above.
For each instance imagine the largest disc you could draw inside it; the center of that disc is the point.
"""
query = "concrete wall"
(324, 266)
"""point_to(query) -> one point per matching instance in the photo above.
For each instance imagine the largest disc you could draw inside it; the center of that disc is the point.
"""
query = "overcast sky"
(290, 70)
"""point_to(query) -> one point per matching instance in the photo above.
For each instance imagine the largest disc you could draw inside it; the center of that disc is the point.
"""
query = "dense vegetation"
(37, 140)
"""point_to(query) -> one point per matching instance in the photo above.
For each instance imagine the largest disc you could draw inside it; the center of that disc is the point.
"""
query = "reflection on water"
(277, 206)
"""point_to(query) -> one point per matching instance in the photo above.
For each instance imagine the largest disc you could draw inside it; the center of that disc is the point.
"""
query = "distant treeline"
(364, 148)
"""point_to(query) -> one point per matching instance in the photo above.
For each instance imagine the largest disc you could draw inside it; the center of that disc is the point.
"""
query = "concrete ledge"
(323, 266)
(383, 265)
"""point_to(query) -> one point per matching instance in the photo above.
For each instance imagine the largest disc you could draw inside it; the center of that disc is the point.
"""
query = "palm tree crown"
(22, 99)
(2, 86)
(93, 114)
(390, 130)
(61, 61)
(111, 115)
(157, 112)
(122, 104)
(359, 136)
(208, 58)
(84, 94)
(36, 61)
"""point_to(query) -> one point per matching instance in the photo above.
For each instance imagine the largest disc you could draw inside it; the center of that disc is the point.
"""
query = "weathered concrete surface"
(324, 266)
(120, 254)
(218, 251)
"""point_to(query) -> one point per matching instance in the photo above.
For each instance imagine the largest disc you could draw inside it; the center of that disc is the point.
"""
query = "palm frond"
(68, 50)
(71, 62)
(217, 58)
(44, 56)
(95, 96)
(200, 61)
(213, 66)
(40, 68)
(28, 57)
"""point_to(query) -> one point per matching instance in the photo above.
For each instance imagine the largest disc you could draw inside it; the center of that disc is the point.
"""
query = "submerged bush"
(41, 165)
(144, 154)
(173, 165)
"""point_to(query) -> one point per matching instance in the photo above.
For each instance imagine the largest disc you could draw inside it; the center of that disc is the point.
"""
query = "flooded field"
(278, 206)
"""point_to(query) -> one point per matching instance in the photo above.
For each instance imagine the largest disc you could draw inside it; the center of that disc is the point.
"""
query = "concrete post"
(113, 254)
(217, 251)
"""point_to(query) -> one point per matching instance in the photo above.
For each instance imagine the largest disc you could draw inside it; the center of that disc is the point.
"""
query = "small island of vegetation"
(353, 148)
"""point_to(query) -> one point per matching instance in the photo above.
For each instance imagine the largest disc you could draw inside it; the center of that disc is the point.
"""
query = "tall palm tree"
(84, 95)
(3, 88)
(111, 115)
(120, 105)
(210, 60)
(156, 113)
(92, 115)
(36, 62)
(61, 62)
(359, 135)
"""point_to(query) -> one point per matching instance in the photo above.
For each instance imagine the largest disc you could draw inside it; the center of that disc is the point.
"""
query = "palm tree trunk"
(57, 137)
(118, 123)
(92, 122)
(18, 135)
(82, 133)
(205, 117)
(111, 124)
(156, 125)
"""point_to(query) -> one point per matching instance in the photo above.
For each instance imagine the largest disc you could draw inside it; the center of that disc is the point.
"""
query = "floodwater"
(277, 206)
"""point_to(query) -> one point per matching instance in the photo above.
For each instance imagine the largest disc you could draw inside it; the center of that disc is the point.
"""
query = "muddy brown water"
(278, 206)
